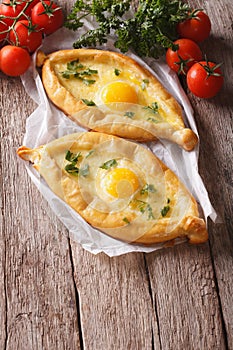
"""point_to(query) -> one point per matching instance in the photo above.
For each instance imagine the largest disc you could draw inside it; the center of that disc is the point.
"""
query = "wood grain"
(55, 295)
(215, 124)
(38, 304)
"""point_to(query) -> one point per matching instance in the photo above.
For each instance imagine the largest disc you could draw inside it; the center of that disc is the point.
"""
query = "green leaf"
(109, 164)
(66, 75)
(79, 71)
(88, 102)
(129, 114)
(117, 72)
(72, 65)
(88, 82)
(148, 31)
(72, 157)
(148, 188)
(153, 108)
(143, 207)
(72, 169)
(126, 220)
(153, 120)
(165, 210)
(90, 153)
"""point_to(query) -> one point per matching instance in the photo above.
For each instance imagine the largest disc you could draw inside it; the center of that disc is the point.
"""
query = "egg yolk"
(119, 91)
(120, 182)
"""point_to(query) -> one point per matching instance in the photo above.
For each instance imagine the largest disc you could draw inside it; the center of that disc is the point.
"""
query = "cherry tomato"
(3, 28)
(30, 7)
(204, 79)
(187, 54)
(26, 35)
(197, 27)
(11, 8)
(48, 16)
(14, 60)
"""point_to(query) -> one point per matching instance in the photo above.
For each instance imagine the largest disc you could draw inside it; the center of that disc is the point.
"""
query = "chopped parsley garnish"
(90, 153)
(150, 212)
(153, 108)
(117, 72)
(74, 69)
(73, 159)
(144, 84)
(88, 81)
(143, 207)
(153, 120)
(165, 210)
(126, 220)
(88, 102)
(74, 65)
(109, 164)
(148, 188)
(129, 114)
(72, 169)
(88, 72)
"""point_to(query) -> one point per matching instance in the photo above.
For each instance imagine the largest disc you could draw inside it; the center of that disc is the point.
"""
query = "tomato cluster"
(204, 78)
(23, 24)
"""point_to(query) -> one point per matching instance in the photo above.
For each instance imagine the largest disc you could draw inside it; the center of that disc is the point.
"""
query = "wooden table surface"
(56, 295)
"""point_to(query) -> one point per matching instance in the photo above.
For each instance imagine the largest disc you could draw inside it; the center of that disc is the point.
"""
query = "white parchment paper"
(47, 123)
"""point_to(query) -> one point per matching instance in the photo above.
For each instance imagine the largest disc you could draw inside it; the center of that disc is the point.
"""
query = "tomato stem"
(16, 18)
(211, 70)
(48, 9)
(193, 14)
(183, 64)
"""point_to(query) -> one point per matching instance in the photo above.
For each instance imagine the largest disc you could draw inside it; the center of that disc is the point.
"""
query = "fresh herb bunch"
(150, 29)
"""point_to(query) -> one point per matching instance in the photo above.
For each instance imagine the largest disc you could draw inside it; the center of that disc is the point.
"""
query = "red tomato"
(11, 8)
(196, 28)
(48, 16)
(30, 7)
(14, 60)
(205, 79)
(3, 27)
(187, 54)
(26, 35)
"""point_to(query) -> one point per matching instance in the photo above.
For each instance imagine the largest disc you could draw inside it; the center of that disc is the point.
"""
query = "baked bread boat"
(118, 187)
(111, 93)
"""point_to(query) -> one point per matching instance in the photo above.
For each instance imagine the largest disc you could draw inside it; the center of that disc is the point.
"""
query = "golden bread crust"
(181, 221)
(70, 100)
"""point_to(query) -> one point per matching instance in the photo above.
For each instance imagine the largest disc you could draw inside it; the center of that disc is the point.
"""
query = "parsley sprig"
(153, 109)
(109, 164)
(77, 70)
(73, 159)
(166, 208)
(150, 29)
(148, 188)
(145, 207)
(72, 165)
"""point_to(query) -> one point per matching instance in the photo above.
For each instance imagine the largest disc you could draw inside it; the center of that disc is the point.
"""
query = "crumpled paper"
(47, 123)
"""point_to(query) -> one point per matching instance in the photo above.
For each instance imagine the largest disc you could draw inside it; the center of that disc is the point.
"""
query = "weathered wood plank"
(214, 120)
(2, 272)
(115, 302)
(39, 306)
(185, 296)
